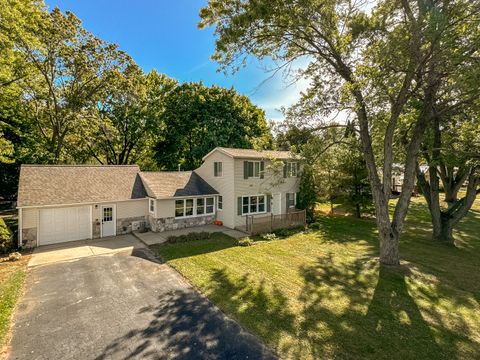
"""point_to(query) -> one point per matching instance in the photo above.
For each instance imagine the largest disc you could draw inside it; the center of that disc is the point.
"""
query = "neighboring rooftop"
(254, 154)
(175, 183)
(75, 184)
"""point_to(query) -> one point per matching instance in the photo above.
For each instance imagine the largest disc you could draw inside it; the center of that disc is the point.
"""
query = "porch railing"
(264, 224)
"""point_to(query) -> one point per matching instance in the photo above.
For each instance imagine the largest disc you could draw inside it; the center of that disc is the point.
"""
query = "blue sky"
(163, 34)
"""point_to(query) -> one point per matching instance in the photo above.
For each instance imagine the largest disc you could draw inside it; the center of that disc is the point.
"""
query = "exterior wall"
(272, 183)
(128, 212)
(171, 223)
(165, 217)
(223, 184)
(29, 228)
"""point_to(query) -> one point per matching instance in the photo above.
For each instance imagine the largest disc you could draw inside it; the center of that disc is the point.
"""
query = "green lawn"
(10, 289)
(323, 295)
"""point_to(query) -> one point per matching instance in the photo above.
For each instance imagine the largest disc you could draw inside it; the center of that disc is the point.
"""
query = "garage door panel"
(59, 225)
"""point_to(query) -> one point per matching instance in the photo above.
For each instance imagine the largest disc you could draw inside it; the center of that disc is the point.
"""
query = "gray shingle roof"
(175, 183)
(255, 154)
(75, 184)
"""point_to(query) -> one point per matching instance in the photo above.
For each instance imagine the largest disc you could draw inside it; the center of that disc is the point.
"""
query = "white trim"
(255, 213)
(149, 206)
(91, 221)
(195, 206)
(218, 162)
(218, 202)
(20, 227)
(114, 218)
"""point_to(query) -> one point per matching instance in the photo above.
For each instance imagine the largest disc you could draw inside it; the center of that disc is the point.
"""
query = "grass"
(323, 295)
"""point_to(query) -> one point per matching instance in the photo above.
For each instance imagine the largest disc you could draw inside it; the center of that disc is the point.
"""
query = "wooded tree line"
(408, 71)
(67, 96)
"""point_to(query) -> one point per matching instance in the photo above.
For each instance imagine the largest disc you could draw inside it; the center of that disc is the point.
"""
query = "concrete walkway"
(151, 238)
(84, 248)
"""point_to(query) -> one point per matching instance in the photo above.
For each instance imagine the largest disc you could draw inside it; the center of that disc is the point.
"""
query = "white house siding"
(223, 184)
(272, 183)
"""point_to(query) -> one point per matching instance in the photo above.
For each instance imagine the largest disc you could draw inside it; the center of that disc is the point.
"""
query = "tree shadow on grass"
(347, 315)
(185, 325)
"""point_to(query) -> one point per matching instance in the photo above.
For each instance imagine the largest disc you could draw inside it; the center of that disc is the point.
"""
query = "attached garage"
(58, 225)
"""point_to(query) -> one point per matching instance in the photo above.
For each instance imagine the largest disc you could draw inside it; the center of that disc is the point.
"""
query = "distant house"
(59, 203)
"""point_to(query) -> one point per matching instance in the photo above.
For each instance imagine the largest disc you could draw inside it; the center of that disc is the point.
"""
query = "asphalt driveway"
(122, 306)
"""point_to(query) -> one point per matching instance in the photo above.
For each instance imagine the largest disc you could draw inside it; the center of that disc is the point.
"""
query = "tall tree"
(198, 118)
(69, 71)
(369, 61)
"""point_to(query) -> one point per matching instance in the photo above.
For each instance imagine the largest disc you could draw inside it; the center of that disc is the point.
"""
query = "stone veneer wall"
(29, 238)
(171, 223)
(124, 225)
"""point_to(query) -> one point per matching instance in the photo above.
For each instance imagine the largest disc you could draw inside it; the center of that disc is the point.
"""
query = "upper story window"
(217, 168)
(291, 200)
(253, 169)
(152, 205)
(291, 169)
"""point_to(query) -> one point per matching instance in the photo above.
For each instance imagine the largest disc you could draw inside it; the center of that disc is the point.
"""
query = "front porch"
(152, 238)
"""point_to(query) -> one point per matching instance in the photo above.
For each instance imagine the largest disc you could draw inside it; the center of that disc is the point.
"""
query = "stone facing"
(171, 223)
(124, 225)
(29, 238)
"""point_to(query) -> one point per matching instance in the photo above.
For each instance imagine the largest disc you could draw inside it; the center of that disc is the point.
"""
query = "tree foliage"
(198, 118)
(370, 62)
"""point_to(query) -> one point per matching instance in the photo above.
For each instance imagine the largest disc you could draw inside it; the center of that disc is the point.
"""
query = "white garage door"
(64, 224)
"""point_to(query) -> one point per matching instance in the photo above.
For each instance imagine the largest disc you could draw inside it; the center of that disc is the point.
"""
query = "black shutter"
(284, 169)
(245, 169)
(297, 199)
(239, 205)
(269, 203)
(262, 168)
(288, 201)
(215, 168)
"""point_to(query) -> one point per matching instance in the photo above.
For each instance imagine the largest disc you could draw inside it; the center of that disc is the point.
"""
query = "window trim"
(150, 202)
(249, 204)
(253, 162)
(219, 173)
(290, 167)
(294, 199)
(220, 202)
(194, 213)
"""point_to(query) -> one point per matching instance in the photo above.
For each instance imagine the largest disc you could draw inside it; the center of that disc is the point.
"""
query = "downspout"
(20, 227)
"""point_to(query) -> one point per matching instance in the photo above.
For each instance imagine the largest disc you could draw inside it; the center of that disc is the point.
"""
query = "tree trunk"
(389, 240)
(358, 212)
(443, 233)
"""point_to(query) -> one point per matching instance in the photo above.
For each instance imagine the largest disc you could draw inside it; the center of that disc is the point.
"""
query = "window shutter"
(239, 205)
(298, 170)
(215, 168)
(285, 169)
(245, 169)
(262, 168)
(288, 200)
(297, 199)
(269, 203)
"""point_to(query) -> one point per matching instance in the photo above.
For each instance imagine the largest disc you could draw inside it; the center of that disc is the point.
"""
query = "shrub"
(245, 242)
(269, 237)
(193, 236)
(6, 237)
(315, 226)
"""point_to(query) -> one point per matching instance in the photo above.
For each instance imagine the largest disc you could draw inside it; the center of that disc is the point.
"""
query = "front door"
(108, 220)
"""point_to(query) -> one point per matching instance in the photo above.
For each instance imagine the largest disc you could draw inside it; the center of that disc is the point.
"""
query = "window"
(179, 208)
(152, 205)
(217, 168)
(194, 207)
(253, 204)
(210, 203)
(292, 169)
(291, 200)
(188, 207)
(254, 169)
(220, 203)
(107, 214)
(200, 206)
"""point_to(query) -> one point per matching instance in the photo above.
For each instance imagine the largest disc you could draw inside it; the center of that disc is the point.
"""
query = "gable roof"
(254, 154)
(76, 184)
(176, 183)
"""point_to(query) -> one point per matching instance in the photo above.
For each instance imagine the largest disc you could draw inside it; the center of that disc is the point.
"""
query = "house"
(60, 203)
